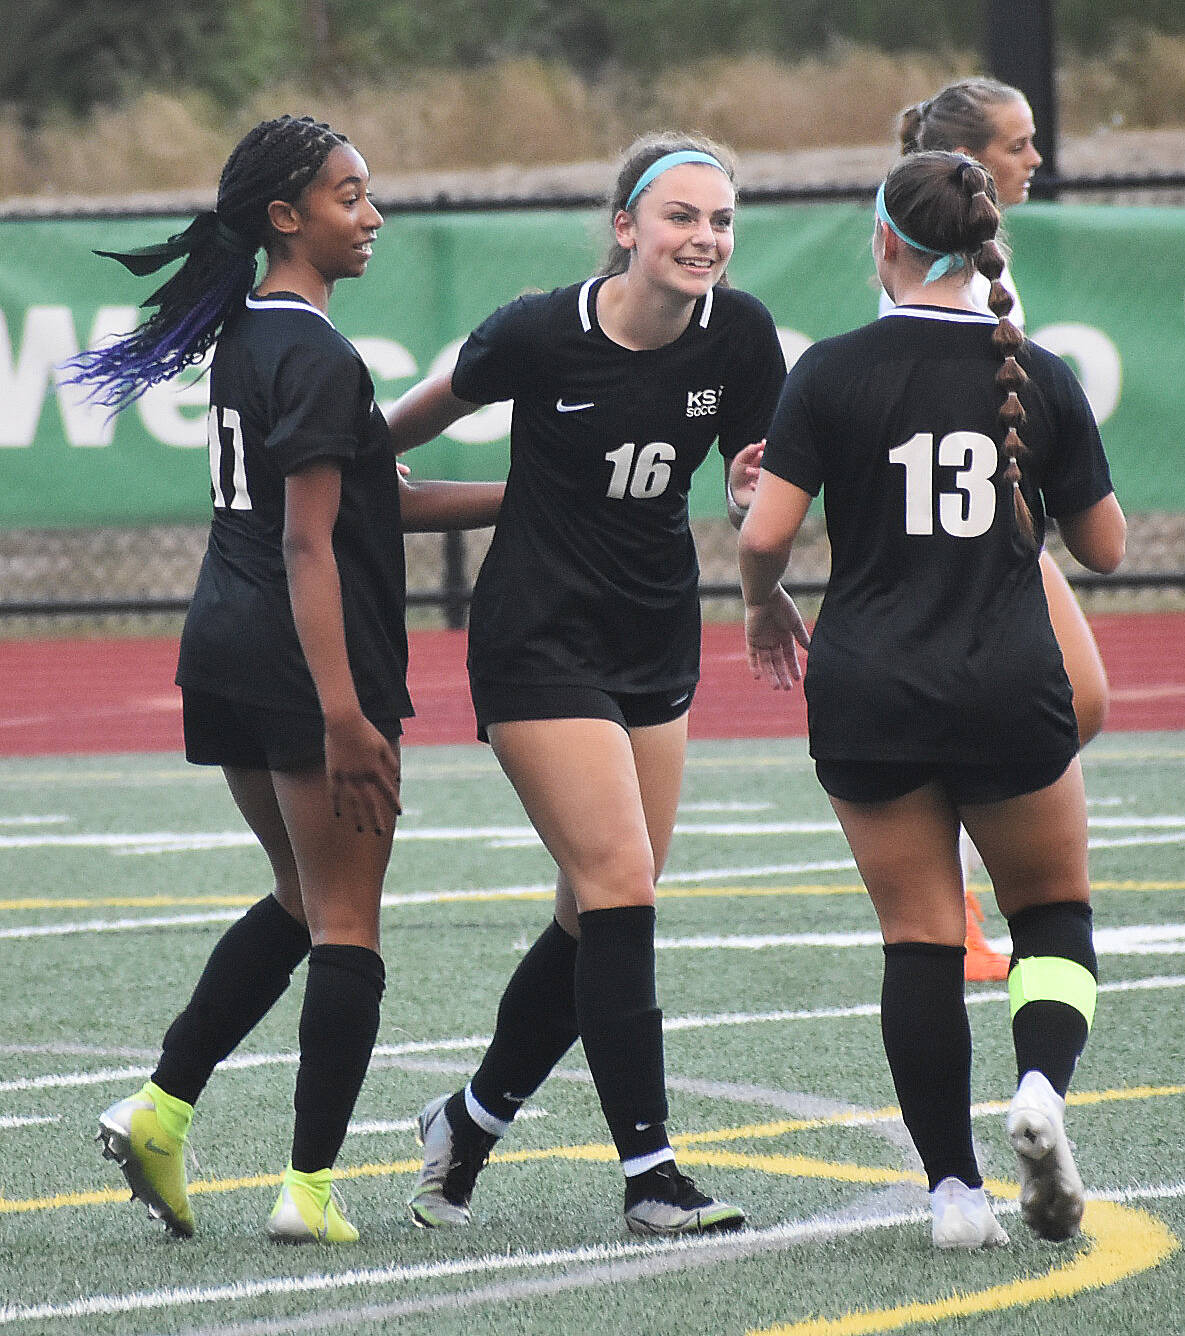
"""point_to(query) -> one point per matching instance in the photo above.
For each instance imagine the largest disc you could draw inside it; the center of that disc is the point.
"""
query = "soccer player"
(294, 652)
(993, 123)
(936, 693)
(584, 642)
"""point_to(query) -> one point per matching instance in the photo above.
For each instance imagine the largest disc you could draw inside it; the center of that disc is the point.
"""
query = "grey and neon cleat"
(152, 1160)
(664, 1201)
(450, 1169)
(1052, 1197)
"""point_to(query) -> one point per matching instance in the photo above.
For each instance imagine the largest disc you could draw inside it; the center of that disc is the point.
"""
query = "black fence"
(149, 572)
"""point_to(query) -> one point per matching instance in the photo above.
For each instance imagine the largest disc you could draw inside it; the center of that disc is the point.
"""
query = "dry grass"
(757, 104)
(530, 113)
(1140, 84)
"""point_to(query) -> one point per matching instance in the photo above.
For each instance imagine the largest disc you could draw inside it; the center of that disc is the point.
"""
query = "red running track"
(117, 695)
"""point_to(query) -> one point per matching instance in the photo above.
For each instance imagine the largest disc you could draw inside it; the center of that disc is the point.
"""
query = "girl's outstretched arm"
(424, 411)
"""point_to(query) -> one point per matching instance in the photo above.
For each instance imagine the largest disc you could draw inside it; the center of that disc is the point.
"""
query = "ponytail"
(1007, 340)
(274, 161)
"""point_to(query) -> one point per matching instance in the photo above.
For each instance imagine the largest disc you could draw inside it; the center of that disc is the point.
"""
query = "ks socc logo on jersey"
(703, 403)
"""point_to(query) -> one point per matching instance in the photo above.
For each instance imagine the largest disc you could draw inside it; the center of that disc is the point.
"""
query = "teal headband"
(945, 261)
(665, 163)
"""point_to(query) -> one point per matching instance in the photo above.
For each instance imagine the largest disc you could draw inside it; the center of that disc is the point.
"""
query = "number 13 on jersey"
(968, 510)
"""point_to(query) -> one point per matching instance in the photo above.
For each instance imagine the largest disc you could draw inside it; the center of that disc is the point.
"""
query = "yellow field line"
(606, 1154)
(1123, 1242)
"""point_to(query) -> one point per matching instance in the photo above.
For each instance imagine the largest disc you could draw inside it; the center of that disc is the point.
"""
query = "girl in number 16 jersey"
(584, 642)
(935, 690)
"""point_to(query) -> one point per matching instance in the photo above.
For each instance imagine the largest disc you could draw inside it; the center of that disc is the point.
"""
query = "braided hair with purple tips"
(276, 160)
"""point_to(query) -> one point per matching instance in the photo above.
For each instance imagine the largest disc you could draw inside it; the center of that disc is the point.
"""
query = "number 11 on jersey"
(232, 425)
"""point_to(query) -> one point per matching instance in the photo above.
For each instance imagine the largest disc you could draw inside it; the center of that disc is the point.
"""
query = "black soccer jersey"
(933, 641)
(287, 389)
(592, 578)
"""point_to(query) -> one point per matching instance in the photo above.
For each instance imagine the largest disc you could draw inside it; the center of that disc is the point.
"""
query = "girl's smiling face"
(681, 229)
(338, 220)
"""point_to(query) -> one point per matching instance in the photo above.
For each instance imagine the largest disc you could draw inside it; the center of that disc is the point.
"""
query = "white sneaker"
(963, 1217)
(1051, 1193)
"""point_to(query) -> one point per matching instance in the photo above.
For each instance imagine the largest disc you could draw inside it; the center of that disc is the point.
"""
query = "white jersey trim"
(582, 303)
(255, 304)
(933, 313)
(586, 318)
(706, 313)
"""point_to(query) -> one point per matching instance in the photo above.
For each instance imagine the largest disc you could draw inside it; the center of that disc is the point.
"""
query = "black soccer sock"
(536, 1026)
(246, 974)
(1052, 984)
(621, 1025)
(338, 1024)
(928, 1044)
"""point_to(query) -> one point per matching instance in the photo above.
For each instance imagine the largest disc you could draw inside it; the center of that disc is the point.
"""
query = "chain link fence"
(119, 581)
(137, 581)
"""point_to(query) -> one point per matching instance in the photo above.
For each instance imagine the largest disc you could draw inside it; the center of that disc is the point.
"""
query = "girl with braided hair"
(936, 693)
(293, 656)
(993, 123)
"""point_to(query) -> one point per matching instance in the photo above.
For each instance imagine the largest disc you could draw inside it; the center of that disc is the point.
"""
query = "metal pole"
(456, 583)
(1019, 50)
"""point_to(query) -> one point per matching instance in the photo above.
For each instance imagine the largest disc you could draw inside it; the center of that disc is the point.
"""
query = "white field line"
(1132, 841)
(1137, 939)
(602, 1263)
(236, 1062)
(33, 1120)
(118, 925)
(724, 807)
(184, 842)
(179, 841)
(378, 1126)
(145, 1300)
(241, 1061)
(1134, 940)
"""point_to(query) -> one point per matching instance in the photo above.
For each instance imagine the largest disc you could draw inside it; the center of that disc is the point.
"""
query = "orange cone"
(981, 963)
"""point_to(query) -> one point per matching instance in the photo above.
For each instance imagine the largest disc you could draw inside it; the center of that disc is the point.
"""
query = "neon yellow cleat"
(308, 1210)
(145, 1135)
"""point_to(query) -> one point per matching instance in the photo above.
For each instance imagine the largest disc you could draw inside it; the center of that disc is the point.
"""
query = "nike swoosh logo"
(680, 699)
(561, 407)
(154, 1148)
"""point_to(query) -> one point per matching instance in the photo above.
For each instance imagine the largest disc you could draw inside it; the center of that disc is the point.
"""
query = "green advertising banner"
(1103, 286)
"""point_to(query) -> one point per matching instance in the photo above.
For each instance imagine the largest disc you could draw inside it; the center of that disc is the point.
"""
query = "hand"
(364, 774)
(774, 630)
(743, 472)
(404, 470)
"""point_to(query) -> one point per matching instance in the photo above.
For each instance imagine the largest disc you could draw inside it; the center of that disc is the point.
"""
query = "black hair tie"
(207, 226)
